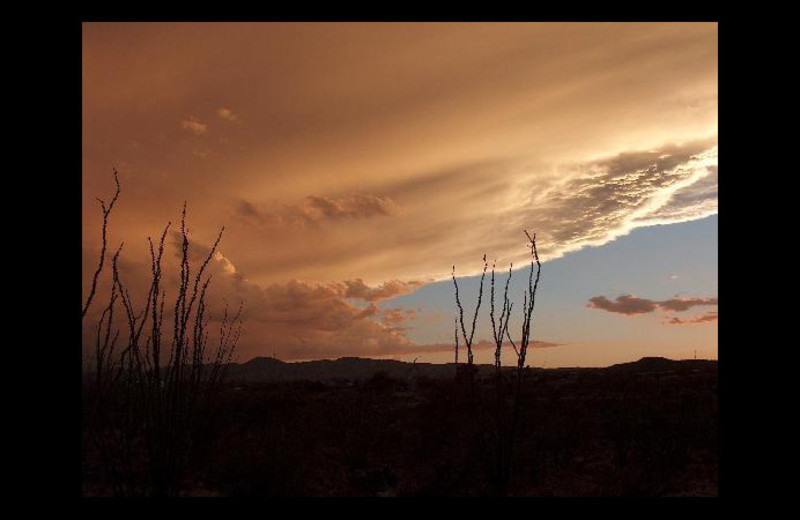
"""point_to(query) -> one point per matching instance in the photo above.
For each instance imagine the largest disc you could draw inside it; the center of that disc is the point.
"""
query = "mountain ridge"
(270, 369)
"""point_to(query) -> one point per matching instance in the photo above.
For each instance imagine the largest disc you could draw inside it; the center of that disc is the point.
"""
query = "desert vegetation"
(496, 420)
(153, 384)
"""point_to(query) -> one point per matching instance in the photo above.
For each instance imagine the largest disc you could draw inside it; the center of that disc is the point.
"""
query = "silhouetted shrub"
(146, 400)
(497, 421)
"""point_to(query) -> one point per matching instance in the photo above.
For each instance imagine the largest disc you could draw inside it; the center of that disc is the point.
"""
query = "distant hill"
(662, 364)
(268, 369)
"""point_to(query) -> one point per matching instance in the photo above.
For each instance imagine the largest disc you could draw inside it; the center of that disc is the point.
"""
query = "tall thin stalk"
(468, 338)
(103, 248)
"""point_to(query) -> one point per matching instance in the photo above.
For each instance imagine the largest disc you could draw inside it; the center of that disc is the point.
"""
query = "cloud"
(471, 159)
(613, 196)
(227, 265)
(705, 318)
(296, 319)
(299, 319)
(227, 114)
(395, 317)
(194, 125)
(697, 200)
(306, 320)
(198, 252)
(316, 210)
(390, 289)
(682, 304)
(352, 206)
(371, 310)
(455, 215)
(626, 304)
(630, 305)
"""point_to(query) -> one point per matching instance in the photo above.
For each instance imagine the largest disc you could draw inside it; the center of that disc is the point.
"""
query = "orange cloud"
(395, 317)
(358, 289)
(318, 209)
(194, 125)
(296, 320)
(227, 113)
(448, 164)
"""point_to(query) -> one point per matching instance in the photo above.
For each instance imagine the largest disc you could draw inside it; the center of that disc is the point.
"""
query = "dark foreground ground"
(640, 429)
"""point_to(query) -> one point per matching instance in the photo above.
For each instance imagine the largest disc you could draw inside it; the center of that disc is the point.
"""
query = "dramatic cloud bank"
(353, 163)
(615, 195)
(412, 230)
(354, 157)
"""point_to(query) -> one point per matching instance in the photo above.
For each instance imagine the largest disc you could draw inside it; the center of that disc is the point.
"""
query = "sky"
(354, 164)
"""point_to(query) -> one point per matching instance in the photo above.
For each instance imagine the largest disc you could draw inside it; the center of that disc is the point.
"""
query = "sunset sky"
(353, 164)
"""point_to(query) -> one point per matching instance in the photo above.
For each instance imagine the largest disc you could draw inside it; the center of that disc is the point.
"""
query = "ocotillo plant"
(505, 419)
(468, 338)
(501, 447)
(145, 403)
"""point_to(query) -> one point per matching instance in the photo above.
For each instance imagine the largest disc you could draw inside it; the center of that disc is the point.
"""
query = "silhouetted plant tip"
(106, 213)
